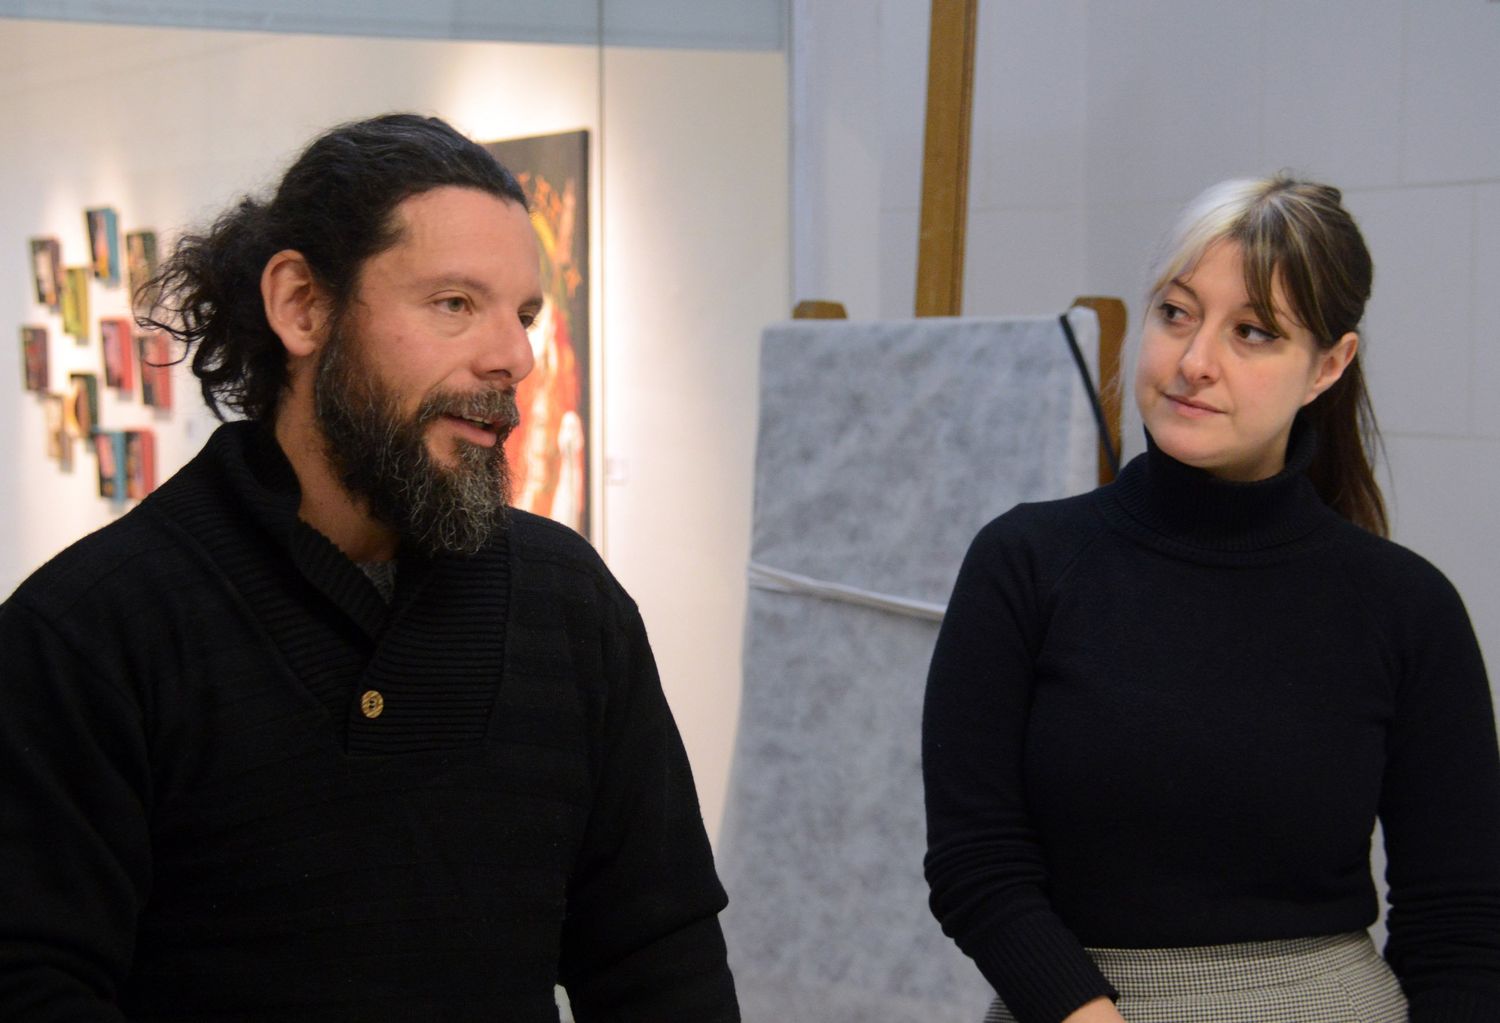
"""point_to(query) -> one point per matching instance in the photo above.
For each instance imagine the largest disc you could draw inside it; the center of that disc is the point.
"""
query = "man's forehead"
(464, 227)
(454, 209)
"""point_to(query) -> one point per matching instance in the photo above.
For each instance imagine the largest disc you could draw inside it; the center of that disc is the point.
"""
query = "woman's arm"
(1440, 812)
(1100, 1010)
(984, 861)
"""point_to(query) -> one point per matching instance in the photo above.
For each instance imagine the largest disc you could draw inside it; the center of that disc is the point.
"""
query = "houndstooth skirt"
(1338, 979)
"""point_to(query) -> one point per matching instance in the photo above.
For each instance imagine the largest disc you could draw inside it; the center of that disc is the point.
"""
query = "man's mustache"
(496, 407)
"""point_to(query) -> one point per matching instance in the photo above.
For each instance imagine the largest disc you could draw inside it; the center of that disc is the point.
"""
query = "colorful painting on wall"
(154, 353)
(549, 451)
(46, 272)
(75, 303)
(109, 449)
(116, 337)
(140, 264)
(81, 405)
(34, 362)
(104, 243)
(59, 441)
(140, 463)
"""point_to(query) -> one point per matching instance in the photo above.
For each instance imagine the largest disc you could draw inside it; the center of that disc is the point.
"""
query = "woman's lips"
(1192, 409)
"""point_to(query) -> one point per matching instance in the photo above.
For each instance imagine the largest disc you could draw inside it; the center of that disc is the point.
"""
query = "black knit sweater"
(1168, 713)
(200, 820)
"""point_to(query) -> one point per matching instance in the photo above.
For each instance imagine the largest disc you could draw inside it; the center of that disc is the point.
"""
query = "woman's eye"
(1171, 313)
(1250, 332)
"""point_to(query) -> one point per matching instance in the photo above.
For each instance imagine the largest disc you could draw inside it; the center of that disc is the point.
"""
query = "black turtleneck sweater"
(1169, 712)
(202, 815)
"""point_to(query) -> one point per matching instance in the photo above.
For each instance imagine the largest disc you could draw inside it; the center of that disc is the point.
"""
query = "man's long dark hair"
(336, 206)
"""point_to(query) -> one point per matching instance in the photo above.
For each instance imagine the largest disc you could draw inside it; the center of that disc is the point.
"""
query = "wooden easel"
(945, 204)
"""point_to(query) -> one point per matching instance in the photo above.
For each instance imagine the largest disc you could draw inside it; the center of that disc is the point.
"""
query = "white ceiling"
(698, 24)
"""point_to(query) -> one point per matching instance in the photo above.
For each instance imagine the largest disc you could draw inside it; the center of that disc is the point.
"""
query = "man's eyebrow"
(437, 282)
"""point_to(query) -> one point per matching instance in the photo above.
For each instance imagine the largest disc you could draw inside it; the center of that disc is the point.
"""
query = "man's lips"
(484, 418)
(479, 431)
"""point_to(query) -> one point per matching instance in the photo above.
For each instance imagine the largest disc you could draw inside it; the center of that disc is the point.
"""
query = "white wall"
(859, 81)
(170, 125)
(1095, 120)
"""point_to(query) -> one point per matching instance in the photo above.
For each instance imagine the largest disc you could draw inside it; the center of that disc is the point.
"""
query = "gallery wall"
(1095, 120)
(168, 125)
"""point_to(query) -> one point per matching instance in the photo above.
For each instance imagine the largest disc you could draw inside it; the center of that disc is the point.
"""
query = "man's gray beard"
(382, 457)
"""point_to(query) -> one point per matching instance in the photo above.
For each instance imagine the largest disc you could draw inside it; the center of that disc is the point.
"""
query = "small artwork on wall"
(109, 449)
(81, 404)
(140, 264)
(549, 454)
(46, 272)
(140, 463)
(104, 243)
(154, 353)
(75, 303)
(115, 336)
(59, 441)
(34, 358)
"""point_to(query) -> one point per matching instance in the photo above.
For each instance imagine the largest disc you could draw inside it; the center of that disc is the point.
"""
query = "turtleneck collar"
(1194, 508)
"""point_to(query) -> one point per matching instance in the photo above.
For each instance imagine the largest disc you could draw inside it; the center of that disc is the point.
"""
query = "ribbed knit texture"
(1168, 713)
(201, 821)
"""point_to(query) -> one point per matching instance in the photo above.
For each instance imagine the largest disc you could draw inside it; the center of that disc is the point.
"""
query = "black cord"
(1110, 454)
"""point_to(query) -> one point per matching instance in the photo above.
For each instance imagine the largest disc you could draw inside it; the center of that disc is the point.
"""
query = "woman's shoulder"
(1041, 533)
(1380, 558)
(1392, 580)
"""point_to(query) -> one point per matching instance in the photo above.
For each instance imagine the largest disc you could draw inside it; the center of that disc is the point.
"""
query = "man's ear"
(296, 306)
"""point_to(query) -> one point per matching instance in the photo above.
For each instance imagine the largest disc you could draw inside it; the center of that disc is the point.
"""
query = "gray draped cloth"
(883, 447)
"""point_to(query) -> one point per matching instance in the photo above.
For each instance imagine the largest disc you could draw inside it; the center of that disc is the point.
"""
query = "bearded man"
(321, 730)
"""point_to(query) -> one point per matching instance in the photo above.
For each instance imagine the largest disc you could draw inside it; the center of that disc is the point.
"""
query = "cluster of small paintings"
(126, 458)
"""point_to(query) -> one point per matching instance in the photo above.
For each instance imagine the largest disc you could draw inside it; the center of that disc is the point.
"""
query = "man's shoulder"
(115, 558)
(544, 537)
(551, 555)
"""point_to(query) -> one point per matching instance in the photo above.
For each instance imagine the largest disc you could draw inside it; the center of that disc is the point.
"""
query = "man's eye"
(453, 304)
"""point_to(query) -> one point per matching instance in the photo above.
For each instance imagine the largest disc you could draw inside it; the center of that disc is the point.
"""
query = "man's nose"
(506, 352)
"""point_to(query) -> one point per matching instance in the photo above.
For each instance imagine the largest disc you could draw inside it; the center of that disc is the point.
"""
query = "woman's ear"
(1330, 365)
(296, 306)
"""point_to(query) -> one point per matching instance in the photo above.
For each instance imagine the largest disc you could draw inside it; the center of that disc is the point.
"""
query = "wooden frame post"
(945, 161)
(1112, 324)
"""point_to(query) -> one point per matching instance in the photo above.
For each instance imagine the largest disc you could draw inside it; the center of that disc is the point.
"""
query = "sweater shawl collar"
(1192, 508)
(436, 651)
(248, 484)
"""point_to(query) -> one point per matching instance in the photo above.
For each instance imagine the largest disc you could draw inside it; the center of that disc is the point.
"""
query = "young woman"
(1163, 718)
